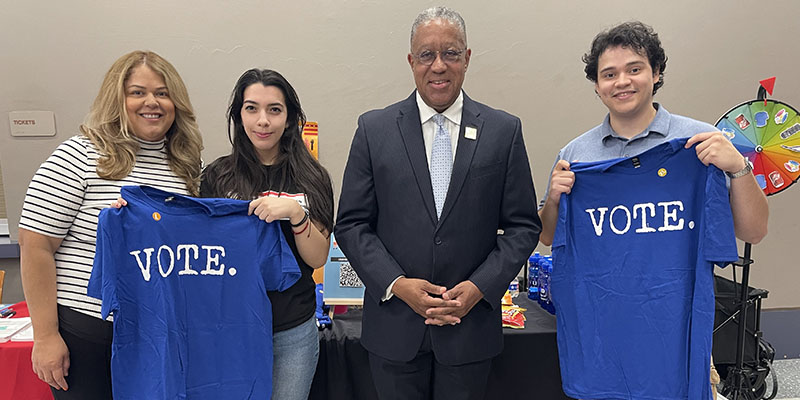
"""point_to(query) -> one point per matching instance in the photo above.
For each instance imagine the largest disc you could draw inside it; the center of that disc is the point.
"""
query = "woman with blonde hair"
(141, 130)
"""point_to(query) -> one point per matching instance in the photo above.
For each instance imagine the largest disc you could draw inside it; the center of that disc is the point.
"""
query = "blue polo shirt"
(632, 279)
(602, 143)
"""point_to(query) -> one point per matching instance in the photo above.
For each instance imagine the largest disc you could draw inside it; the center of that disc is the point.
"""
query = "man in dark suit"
(437, 215)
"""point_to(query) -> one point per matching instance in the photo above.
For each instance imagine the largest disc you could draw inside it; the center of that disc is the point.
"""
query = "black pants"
(88, 340)
(424, 378)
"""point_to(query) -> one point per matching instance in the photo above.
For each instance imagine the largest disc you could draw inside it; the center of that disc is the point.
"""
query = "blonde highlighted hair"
(107, 124)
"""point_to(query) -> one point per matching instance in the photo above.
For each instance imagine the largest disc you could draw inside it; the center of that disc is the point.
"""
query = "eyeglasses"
(427, 57)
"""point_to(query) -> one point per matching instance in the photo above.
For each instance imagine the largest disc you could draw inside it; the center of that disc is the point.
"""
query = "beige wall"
(3, 213)
(345, 57)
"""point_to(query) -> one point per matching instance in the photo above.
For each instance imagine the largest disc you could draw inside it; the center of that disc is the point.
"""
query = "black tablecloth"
(528, 365)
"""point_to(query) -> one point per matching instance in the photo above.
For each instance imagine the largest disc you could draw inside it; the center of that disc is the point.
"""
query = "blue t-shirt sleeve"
(278, 265)
(719, 239)
(102, 282)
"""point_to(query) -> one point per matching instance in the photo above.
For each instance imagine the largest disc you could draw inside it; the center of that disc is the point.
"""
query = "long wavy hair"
(108, 128)
(241, 174)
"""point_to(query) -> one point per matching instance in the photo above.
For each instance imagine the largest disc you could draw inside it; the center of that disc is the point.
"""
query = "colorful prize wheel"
(768, 135)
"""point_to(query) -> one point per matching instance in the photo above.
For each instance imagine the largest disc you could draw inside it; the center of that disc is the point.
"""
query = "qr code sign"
(348, 276)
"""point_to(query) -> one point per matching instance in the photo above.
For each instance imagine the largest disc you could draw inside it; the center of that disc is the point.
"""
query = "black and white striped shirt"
(65, 197)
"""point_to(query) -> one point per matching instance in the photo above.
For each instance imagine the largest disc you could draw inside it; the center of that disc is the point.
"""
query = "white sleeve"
(389, 293)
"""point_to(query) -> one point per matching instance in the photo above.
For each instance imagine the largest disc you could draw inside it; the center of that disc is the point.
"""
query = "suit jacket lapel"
(411, 133)
(470, 117)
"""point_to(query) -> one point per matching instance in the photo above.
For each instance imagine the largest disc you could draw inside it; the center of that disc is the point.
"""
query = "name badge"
(471, 132)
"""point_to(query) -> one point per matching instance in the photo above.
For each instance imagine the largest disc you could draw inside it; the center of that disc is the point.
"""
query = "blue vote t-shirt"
(187, 281)
(632, 279)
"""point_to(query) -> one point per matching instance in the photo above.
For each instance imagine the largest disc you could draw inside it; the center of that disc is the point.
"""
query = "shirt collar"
(148, 145)
(453, 113)
(659, 125)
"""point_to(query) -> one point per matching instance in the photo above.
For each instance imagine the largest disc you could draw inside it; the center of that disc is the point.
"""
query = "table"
(8, 249)
(16, 371)
(528, 365)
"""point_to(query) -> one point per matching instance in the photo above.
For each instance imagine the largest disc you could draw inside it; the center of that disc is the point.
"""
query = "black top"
(296, 304)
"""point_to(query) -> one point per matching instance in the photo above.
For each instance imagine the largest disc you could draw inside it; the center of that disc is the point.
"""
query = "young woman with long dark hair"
(270, 165)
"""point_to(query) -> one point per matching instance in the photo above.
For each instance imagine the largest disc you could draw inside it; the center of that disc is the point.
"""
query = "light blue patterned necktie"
(441, 163)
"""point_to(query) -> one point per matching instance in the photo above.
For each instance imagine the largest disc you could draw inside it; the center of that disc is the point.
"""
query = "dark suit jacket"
(387, 226)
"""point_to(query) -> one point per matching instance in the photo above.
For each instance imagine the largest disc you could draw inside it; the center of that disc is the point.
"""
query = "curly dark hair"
(634, 35)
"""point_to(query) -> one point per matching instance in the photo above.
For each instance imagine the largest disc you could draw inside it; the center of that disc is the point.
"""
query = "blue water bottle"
(548, 304)
(544, 290)
(513, 288)
(533, 276)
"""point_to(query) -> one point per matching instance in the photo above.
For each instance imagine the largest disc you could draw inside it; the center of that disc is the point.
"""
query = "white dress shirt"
(452, 121)
(452, 118)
